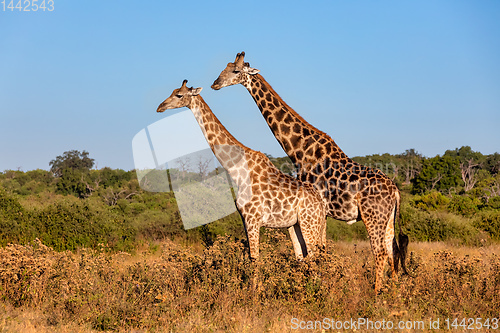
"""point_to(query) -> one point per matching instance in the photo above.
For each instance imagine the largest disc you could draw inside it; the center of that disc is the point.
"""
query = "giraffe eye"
(236, 71)
(178, 96)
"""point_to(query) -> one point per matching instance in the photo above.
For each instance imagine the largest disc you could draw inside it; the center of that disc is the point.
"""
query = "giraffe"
(353, 191)
(266, 197)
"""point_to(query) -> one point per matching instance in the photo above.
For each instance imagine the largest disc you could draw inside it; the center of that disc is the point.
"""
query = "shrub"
(431, 201)
(12, 217)
(71, 224)
(494, 203)
(67, 224)
(438, 226)
(156, 225)
(464, 205)
(488, 221)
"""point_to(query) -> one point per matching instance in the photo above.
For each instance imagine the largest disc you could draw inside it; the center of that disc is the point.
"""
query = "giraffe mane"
(290, 109)
(218, 122)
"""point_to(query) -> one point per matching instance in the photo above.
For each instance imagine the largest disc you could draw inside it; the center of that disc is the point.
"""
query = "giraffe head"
(179, 98)
(235, 72)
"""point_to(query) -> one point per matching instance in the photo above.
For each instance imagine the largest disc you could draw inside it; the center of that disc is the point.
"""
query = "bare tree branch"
(436, 180)
(203, 165)
(468, 173)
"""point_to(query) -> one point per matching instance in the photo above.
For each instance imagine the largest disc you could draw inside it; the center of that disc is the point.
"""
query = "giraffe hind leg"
(379, 249)
(299, 246)
(323, 232)
(313, 227)
(391, 247)
(380, 260)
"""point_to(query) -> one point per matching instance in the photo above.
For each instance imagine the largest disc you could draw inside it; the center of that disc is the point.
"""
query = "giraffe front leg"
(253, 233)
(252, 230)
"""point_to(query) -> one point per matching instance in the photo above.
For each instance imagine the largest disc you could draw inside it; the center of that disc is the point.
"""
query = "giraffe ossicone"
(266, 197)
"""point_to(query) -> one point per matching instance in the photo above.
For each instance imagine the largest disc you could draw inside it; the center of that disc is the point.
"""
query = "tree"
(72, 170)
(439, 173)
(469, 162)
(73, 160)
(492, 163)
(412, 164)
(468, 171)
(184, 164)
(72, 182)
(284, 164)
(203, 166)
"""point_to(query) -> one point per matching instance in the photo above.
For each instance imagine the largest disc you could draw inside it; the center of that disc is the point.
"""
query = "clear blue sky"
(378, 76)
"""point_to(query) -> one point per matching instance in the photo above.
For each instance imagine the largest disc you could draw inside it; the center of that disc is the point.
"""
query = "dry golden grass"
(188, 289)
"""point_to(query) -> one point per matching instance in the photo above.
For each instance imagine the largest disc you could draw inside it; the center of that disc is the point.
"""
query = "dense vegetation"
(451, 197)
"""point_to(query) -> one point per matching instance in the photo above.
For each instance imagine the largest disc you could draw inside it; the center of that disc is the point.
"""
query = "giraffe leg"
(377, 242)
(319, 238)
(298, 244)
(389, 243)
(312, 230)
(380, 260)
(252, 231)
(323, 233)
(321, 221)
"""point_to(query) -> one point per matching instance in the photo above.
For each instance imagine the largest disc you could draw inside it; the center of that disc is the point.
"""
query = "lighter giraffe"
(266, 197)
(353, 192)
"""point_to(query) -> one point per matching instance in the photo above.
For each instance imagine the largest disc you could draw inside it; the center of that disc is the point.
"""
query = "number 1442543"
(27, 5)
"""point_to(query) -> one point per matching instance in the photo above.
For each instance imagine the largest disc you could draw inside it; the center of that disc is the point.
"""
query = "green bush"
(464, 205)
(431, 201)
(489, 221)
(423, 225)
(10, 208)
(156, 225)
(12, 218)
(71, 224)
(68, 224)
(494, 203)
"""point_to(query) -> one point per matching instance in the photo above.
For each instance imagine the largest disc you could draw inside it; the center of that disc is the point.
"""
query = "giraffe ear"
(196, 91)
(250, 70)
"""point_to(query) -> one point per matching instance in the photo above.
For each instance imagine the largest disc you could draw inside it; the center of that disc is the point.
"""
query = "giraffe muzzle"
(161, 108)
(216, 85)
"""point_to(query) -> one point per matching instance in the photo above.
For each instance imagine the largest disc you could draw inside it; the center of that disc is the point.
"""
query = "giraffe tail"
(400, 252)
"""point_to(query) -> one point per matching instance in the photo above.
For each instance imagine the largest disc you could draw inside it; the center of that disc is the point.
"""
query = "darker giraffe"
(266, 197)
(353, 192)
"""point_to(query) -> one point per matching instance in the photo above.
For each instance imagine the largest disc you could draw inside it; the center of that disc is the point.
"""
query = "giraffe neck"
(229, 151)
(302, 142)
